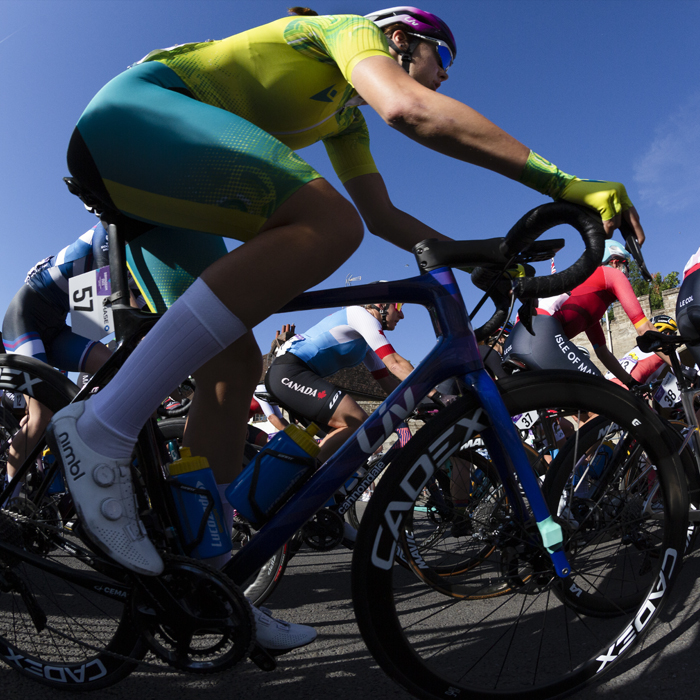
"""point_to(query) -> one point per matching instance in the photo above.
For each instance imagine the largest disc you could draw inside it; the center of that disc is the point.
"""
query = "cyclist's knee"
(329, 218)
(348, 415)
(348, 227)
(238, 364)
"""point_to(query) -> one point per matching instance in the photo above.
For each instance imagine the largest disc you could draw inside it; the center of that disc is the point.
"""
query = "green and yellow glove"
(607, 198)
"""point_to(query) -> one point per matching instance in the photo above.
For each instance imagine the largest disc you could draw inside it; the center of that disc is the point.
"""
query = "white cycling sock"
(197, 327)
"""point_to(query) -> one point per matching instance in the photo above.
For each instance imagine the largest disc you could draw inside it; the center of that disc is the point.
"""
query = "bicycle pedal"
(262, 658)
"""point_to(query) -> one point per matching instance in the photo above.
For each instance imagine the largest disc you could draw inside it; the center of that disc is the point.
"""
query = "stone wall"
(622, 336)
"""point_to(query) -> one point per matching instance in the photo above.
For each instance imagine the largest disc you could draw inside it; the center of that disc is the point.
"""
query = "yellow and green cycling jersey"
(291, 78)
(223, 162)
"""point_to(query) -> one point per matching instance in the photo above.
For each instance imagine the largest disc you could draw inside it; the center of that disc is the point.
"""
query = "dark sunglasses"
(444, 54)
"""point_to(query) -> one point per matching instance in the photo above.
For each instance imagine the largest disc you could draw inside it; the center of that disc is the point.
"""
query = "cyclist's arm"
(383, 219)
(390, 370)
(616, 281)
(272, 413)
(396, 364)
(613, 364)
(436, 121)
(456, 130)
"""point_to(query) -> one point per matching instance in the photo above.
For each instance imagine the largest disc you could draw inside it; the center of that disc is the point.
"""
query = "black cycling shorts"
(688, 311)
(34, 327)
(549, 348)
(300, 390)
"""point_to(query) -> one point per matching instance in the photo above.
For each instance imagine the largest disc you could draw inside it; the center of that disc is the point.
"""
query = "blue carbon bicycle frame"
(455, 355)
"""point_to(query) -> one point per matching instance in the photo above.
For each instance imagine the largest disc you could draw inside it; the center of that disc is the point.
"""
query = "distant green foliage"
(654, 288)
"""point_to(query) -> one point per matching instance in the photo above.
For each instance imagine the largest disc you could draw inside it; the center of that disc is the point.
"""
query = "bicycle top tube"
(455, 354)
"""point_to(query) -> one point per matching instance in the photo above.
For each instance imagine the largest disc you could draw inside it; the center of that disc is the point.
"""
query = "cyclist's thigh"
(549, 348)
(302, 391)
(167, 158)
(26, 321)
(67, 350)
(165, 261)
(688, 311)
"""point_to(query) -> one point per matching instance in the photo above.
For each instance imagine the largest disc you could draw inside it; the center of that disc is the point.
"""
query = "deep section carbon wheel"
(531, 634)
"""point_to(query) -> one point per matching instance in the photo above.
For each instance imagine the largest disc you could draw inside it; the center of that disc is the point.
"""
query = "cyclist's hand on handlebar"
(691, 374)
(609, 199)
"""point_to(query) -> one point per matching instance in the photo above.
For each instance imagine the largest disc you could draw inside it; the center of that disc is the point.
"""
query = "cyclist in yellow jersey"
(200, 137)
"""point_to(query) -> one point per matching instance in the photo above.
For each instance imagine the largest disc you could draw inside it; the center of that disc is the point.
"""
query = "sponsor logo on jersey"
(685, 301)
(326, 95)
(572, 356)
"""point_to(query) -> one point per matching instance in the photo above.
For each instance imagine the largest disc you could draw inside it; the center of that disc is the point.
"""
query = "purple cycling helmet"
(424, 25)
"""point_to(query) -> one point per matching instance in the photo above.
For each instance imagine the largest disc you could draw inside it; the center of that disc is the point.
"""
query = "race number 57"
(79, 296)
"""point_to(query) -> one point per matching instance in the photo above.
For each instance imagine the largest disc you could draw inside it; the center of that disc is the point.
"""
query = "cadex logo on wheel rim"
(17, 380)
(414, 482)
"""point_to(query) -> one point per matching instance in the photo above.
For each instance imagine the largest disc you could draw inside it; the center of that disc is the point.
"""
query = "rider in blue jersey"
(344, 339)
(35, 326)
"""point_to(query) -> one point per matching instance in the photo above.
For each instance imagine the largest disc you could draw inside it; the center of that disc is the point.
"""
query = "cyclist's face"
(393, 316)
(620, 264)
(425, 67)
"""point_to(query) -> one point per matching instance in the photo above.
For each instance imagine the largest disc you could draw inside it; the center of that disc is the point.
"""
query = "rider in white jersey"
(343, 339)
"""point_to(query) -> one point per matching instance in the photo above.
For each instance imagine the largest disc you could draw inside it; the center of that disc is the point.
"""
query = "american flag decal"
(404, 435)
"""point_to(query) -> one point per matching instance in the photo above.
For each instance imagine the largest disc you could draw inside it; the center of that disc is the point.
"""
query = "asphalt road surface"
(316, 590)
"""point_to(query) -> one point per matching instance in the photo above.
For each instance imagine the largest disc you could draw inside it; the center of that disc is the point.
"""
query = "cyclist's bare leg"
(32, 427)
(346, 419)
(302, 243)
(216, 422)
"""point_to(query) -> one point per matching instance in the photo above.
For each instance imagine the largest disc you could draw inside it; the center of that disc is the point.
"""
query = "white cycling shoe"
(103, 496)
(276, 635)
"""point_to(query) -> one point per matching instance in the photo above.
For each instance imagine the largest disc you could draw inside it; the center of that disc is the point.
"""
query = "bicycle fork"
(507, 447)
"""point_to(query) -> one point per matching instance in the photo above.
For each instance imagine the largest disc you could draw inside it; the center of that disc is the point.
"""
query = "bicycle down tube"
(454, 355)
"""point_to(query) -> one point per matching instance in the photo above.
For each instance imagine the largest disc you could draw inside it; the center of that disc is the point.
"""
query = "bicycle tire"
(527, 642)
(88, 641)
(259, 587)
(597, 431)
(691, 470)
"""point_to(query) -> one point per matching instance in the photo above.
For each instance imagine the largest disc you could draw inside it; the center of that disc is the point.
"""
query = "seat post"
(117, 265)
(119, 298)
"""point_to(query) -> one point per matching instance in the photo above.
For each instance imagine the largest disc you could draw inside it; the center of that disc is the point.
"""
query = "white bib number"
(525, 421)
(669, 393)
(87, 293)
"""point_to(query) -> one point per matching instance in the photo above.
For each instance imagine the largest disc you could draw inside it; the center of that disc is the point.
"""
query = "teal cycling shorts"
(157, 154)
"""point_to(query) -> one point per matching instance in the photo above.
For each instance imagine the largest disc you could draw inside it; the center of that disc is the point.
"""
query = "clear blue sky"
(606, 89)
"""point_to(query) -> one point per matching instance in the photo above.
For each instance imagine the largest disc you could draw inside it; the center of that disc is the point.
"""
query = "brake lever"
(634, 249)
